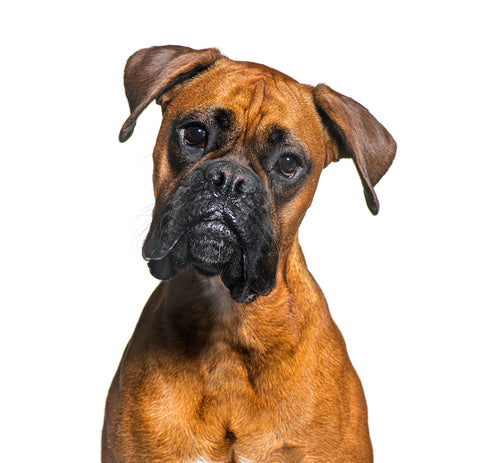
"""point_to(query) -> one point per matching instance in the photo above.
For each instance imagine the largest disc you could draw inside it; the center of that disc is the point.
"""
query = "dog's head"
(237, 161)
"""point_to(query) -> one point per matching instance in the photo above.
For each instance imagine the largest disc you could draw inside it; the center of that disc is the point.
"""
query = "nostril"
(217, 178)
(239, 186)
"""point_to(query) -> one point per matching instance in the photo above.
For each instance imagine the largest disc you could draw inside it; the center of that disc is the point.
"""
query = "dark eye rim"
(201, 144)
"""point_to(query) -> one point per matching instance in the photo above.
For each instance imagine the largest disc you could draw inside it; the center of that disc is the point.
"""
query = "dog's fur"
(235, 357)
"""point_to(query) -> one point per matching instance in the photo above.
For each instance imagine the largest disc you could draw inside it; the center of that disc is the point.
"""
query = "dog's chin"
(212, 249)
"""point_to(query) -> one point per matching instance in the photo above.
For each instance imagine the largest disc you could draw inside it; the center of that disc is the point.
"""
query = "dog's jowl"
(235, 357)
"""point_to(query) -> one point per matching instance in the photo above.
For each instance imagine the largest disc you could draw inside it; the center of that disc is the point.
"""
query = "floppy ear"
(352, 132)
(150, 72)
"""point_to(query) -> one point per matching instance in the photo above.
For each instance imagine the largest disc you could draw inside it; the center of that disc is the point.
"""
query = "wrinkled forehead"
(260, 98)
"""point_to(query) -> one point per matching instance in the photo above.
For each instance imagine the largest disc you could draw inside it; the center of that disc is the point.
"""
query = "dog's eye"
(288, 165)
(194, 135)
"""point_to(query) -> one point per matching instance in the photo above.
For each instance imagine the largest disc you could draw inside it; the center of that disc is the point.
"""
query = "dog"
(235, 357)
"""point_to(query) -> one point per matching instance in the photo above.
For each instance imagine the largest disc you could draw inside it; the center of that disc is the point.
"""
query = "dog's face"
(236, 163)
(234, 151)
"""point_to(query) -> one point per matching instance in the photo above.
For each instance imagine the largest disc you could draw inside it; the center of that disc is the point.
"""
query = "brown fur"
(203, 377)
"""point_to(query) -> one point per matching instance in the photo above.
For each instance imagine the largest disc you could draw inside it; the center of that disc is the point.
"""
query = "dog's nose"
(230, 178)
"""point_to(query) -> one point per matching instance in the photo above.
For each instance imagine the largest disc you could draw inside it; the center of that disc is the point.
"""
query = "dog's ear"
(151, 72)
(352, 132)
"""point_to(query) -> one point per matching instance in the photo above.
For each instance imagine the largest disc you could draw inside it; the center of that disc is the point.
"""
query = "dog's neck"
(200, 311)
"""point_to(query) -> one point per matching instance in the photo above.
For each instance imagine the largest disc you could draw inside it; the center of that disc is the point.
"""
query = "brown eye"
(194, 135)
(288, 165)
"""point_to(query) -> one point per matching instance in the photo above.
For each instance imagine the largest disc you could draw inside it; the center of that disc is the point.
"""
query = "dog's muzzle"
(217, 220)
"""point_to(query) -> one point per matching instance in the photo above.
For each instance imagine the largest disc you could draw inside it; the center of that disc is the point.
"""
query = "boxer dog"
(235, 357)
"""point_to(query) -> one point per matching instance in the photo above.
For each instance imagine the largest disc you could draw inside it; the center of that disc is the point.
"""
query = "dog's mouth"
(207, 243)
(214, 248)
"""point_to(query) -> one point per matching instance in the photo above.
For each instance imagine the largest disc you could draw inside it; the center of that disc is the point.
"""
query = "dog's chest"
(237, 459)
(220, 415)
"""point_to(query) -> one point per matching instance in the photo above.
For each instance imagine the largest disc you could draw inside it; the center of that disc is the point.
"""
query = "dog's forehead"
(258, 95)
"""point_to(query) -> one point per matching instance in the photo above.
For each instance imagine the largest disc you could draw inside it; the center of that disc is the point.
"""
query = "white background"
(75, 205)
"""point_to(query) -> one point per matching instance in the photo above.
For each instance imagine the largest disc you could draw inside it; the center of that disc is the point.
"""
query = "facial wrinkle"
(253, 112)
